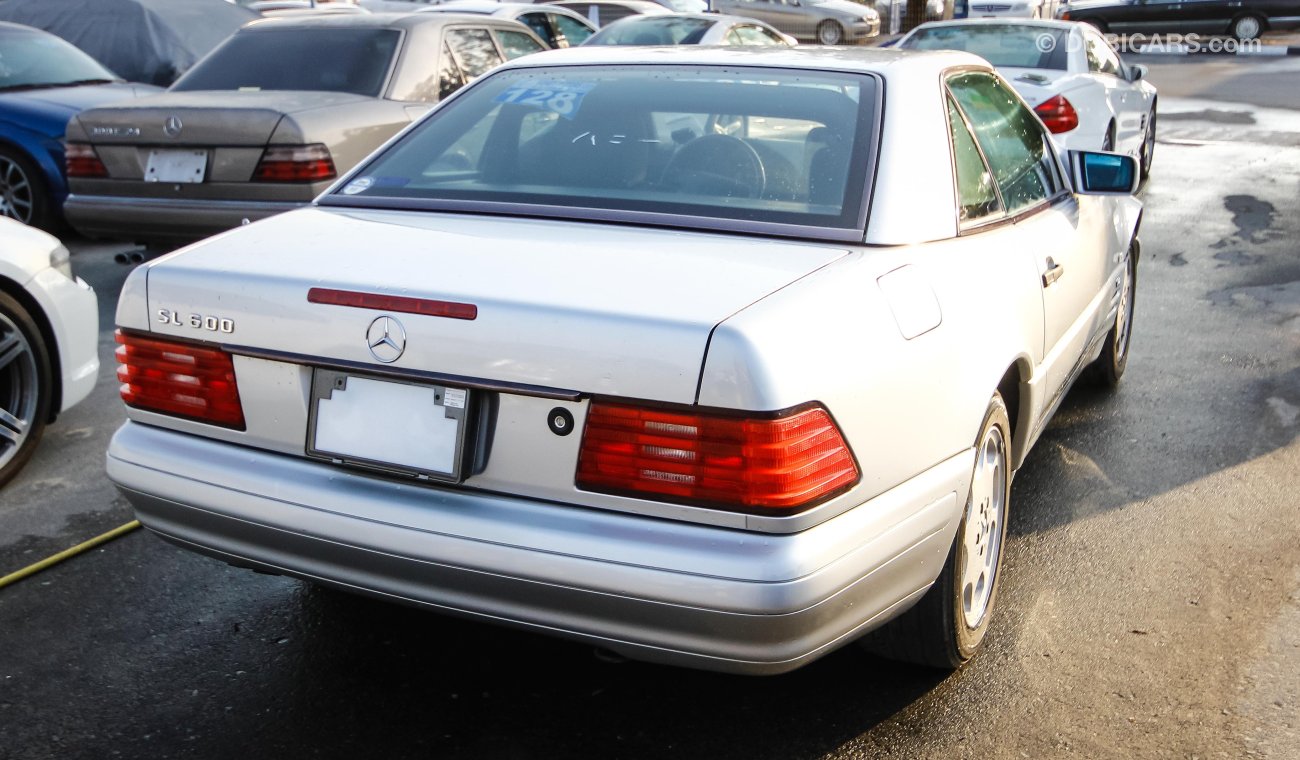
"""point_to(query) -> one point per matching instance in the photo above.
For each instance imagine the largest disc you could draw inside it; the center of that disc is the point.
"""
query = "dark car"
(1243, 19)
(44, 81)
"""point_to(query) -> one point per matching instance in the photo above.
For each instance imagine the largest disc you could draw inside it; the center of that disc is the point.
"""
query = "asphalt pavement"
(1151, 598)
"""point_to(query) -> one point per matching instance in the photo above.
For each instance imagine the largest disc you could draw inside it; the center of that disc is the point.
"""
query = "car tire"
(1109, 366)
(25, 387)
(1247, 27)
(947, 626)
(830, 33)
(23, 195)
(1149, 145)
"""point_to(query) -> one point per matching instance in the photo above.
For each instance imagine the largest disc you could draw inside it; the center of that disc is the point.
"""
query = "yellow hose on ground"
(84, 546)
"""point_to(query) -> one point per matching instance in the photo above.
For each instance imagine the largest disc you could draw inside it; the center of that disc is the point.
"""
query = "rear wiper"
(79, 82)
(48, 85)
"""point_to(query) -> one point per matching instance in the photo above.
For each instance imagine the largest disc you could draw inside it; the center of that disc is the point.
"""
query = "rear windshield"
(1029, 47)
(764, 145)
(332, 60)
(653, 31)
(31, 60)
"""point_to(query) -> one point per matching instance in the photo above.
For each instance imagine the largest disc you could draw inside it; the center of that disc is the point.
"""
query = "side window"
(474, 51)
(450, 77)
(1017, 148)
(733, 38)
(538, 23)
(752, 35)
(977, 198)
(573, 31)
(515, 44)
(1101, 57)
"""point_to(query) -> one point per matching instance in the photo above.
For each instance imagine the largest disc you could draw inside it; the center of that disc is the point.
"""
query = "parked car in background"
(153, 41)
(1068, 73)
(602, 12)
(567, 357)
(690, 29)
(685, 6)
(49, 340)
(44, 81)
(829, 22)
(1243, 19)
(272, 8)
(557, 27)
(1006, 9)
(244, 135)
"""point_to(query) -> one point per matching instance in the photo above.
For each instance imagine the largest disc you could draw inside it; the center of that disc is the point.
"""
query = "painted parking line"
(66, 554)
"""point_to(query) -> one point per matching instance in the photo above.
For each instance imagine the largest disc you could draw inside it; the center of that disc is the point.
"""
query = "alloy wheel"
(981, 541)
(19, 389)
(17, 197)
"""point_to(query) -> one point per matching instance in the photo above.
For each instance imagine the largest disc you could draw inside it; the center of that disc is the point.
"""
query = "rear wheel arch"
(34, 310)
(1011, 387)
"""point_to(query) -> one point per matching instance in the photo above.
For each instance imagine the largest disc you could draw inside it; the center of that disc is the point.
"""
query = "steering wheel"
(717, 165)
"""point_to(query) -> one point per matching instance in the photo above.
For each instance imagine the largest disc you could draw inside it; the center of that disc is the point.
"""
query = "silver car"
(270, 119)
(690, 29)
(828, 22)
(558, 27)
(721, 359)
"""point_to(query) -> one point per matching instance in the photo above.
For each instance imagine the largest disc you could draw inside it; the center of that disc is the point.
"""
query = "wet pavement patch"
(1251, 216)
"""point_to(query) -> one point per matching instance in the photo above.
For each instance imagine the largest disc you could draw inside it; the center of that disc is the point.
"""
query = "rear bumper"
(163, 219)
(650, 589)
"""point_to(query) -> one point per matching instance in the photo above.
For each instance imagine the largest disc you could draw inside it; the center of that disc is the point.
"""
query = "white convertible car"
(49, 335)
(706, 357)
(1073, 79)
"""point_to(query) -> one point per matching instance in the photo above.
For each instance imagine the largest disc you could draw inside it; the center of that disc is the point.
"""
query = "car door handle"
(1053, 273)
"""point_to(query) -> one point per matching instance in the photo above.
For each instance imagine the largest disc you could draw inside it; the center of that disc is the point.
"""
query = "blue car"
(44, 81)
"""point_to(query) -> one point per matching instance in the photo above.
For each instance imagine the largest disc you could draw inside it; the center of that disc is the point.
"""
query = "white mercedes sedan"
(704, 356)
(1069, 74)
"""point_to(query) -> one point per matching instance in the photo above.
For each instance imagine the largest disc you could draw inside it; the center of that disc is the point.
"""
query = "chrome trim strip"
(397, 373)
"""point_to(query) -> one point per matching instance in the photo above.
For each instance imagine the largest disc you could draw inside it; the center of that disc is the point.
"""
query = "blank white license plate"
(176, 166)
(410, 428)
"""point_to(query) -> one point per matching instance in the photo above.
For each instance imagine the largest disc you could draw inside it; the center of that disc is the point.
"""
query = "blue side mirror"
(1103, 173)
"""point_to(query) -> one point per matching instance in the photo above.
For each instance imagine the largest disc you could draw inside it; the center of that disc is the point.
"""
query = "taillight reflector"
(295, 163)
(81, 160)
(1058, 114)
(777, 465)
(181, 379)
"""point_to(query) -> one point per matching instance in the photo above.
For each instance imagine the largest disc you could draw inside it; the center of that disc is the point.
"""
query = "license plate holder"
(400, 427)
(181, 166)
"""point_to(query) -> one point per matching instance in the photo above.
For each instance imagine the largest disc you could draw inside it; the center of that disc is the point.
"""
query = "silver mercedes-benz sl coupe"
(712, 357)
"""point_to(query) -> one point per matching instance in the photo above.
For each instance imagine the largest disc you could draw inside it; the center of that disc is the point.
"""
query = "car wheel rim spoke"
(1125, 318)
(15, 191)
(981, 540)
(18, 390)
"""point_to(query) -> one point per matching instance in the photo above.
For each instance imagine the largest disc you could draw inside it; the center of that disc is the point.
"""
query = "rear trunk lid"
(203, 119)
(579, 307)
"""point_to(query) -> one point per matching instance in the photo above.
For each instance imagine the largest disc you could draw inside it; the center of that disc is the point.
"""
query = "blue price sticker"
(562, 98)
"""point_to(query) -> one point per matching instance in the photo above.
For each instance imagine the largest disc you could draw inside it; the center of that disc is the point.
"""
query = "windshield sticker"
(359, 185)
(562, 98)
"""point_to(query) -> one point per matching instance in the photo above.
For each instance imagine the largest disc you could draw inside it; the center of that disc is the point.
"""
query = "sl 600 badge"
(196, 321)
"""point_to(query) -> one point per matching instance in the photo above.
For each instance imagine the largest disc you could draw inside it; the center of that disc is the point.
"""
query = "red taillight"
(181, 379)
(769, 466)
(81, 160)
(1057, 114)
(295, 163)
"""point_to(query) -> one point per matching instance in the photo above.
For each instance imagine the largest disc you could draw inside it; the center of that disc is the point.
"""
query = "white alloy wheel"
(1247, 28)
(982, 530)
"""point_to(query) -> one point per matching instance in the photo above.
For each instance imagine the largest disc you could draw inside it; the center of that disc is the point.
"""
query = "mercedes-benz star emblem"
(386, 339)
(172, 127)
